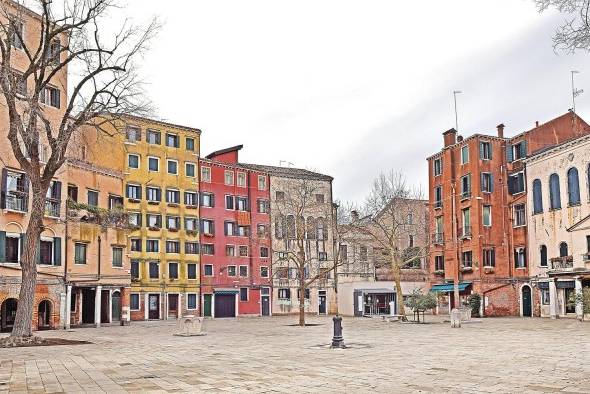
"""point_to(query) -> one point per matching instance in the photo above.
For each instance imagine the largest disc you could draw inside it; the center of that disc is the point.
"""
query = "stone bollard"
(337, 339)
(455, 318)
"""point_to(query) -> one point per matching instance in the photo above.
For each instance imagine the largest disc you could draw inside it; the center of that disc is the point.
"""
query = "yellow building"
(159, 162)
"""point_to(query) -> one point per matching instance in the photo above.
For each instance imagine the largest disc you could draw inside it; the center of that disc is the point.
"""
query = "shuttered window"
(554, 192)
(537, 197)
(573, 186)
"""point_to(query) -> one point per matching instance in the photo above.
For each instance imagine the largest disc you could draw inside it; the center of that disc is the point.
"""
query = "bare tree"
(574, 33)
(106, 81)
(395, 217)
(305, 225)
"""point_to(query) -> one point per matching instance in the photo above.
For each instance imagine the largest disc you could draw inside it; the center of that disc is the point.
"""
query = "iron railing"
(17, 201)
(561, 263)
(52, 208)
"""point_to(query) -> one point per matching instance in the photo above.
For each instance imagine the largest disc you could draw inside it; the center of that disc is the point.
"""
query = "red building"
(235, 237)
(478, 214)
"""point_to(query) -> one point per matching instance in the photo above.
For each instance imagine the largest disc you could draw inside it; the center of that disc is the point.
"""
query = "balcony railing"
(17, 201)
(586, 257)
(438, 238)
(465, 232)
(562, 263)
(52, 208)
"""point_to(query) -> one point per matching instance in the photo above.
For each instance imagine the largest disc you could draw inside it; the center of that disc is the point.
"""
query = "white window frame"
(206, 170)
(138, 301)
(247, 271)
(168, 169)
(196, 301)
(138, 161)
(514, 215)
(189, 163)
(225, 178)
(212, 270)
(235, 275)
(234, 248)
(247, 251)
(483, 215)
(148, 163)
(239, 175)
(263, 179)
(463, 159)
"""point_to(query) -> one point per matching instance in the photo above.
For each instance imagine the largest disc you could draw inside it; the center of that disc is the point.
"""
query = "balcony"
(52, 208)
(17, 201)
(586, 257)
(438, 238)
(562, 263)
(465, 232)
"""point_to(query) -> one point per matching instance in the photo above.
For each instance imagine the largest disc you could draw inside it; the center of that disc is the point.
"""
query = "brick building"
(235, 237)
(478, 205)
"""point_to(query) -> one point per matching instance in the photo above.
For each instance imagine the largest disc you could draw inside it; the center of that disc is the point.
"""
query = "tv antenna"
(455, 93)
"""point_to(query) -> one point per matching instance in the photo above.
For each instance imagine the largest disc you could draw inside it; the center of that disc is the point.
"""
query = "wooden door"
(154, 306)
(173, 306)
(225, 305)
(527, 309)
(207, 305)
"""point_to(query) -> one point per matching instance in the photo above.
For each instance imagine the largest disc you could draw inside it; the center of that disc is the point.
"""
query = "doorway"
(225, 305)
(154, 306)
(88, 298)
(527, 307)
(207, 305)
(44, 315)
(265, 291)
(570, 307)
(8, 314)
(172, 306)
(116, 306)
(322, 302)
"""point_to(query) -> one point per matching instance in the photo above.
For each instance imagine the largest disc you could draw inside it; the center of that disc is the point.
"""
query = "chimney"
(536, 123)
(500, 128)
(450, 137)
(459, 138)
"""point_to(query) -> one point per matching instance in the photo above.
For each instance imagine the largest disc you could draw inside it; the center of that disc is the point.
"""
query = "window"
(80, 253)
(191, 301)
(172, 167)
(485, 150)
(487, 185)
(280, 229)
(467, 259)
(153, 163)
(154, 194)
(487, 215)
(263, 251)
(133, 192)
(520, 258)
(516, 152)
(154, 221)
(132, 134)
(262, 231)
(232, 270)
(243, 251)
(543, 256)
(573, 186)
(537, 197)
(545, 296)
(306, 294)
(261, 182)
(208, 249)
(465, 154)
(154, 137)
(207, 269)
(519, 215)
(191, 271)
(323, 256)
(205, 174)
(46, 252)
(466, 222)
(263, 206)
(115, 202)
(135, 244)
(172, 140)
(363, 253)
(16, 32)
(244, 271)
(284, 294)
(319, 198)
(133, 161)
(207, 200)
(134, 302)
(191, 247)
(190, 224)
(50, 96)
(554, 192)
(154, 270)
(190, 143)
(230, 228)
(321, 229)
(207, 226)
(438, 197)
(243, 294)
(93, 198)
(12, 248)
(466, 186)
(437, 167)
(489, 257)
(439, 263)
(229, 202)
(73, 193)
(230, 250)
(172, 196)
(410, 218)
(190, 199)
(241, 179)
(153, 245)
(264, 272)
(117, 257)
(172, 247)
(173, 222)
(242, 204)
(229, 178)
(173, 270)
(279, 196)
(563, 249)
(134, 269)
(190, 169)
(516, 183)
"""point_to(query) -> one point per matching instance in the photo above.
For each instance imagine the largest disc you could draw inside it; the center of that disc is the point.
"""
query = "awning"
(449, 287)
(225, 291)
(375, 291)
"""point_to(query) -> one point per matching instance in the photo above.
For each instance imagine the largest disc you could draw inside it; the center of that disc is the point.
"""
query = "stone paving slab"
(267, 355)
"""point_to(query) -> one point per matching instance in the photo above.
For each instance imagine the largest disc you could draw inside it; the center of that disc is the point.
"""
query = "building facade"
(559, 228)
(235, 237)
(478, 205)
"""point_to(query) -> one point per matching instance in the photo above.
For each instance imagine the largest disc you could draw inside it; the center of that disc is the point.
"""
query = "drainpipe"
(99, 250)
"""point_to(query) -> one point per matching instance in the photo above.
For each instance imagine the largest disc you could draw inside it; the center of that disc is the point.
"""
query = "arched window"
(543, 256)
(563, 252)
(537, 197)
(280, 226)
(554, 192)
(573, 186)
(300, 227)
(321, 229)
(310, 228)
(291, 227)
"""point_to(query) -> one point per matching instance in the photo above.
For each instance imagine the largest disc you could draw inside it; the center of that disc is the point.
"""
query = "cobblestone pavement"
(268, 355)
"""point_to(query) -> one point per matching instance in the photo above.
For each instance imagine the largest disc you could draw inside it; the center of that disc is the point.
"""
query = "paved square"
(268, 355)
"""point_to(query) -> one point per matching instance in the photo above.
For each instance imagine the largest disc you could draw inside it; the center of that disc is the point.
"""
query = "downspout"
(99, 252)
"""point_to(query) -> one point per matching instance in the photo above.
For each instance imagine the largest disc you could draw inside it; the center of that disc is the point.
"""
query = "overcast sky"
(352, 88)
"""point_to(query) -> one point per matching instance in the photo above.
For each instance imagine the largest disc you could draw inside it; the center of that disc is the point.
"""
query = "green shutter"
(57, 251)
(509, 153)
(2, 246)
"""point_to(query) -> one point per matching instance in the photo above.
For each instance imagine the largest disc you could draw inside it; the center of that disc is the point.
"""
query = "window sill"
(520, 268)
(519, 226)
(578, 204)
(154, 202)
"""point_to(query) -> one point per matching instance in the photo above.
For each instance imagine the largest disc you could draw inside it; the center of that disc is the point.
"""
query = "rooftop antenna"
(575, 93)
(455, 93)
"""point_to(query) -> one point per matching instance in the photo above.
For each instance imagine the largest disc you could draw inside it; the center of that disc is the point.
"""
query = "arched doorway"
(116, 306)
(8, 314)
(527, 301)
(44, 315)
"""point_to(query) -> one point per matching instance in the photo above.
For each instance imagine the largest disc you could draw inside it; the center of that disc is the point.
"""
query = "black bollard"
(337, 339)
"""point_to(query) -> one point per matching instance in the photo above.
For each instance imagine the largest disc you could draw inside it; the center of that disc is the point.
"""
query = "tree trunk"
(398, 291)
(302, 301)
(24, 313)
